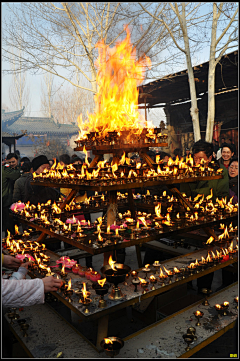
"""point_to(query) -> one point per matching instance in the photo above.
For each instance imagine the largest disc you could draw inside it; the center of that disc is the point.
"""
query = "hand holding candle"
(51, 284)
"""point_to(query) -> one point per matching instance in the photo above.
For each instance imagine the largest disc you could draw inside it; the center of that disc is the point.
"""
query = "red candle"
(75, 269)
(225, 258)
(81, 271)
(94, 276)
(88, 273)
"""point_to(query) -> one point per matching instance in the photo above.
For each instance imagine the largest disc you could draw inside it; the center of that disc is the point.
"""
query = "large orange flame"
(119, 74)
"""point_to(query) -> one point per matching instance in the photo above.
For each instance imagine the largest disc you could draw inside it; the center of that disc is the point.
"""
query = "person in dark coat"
(39, 194)
(19, 186)
(10, 173)
(220, 187)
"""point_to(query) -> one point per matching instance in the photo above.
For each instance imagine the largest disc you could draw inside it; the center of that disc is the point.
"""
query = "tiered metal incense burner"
(133, 138)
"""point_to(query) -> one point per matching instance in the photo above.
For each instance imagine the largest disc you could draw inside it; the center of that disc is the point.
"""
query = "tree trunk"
(211, 102)
(194, 108)
(211, 79)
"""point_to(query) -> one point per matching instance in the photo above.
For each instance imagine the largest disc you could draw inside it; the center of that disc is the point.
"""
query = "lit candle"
(88, 273)
(75, 269)
(94, 276)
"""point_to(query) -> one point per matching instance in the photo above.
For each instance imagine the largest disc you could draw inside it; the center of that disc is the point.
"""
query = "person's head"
(233, 167)
(164, 156)
(228, 140)
(74, 156)
(64, 159)
(12, 160)
(77, 160)
(223, 139)
(177, 152)
(202, 150)
(187, 151)
(26, 167)
(227, 152)
(214, 141)
(40, 163)
(24, 159)
(151, 154)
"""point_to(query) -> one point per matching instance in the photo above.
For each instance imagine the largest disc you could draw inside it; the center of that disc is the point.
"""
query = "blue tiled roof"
(38, 125)
(10, 118)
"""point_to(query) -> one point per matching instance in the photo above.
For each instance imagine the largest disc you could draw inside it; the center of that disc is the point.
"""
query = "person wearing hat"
(39, 194)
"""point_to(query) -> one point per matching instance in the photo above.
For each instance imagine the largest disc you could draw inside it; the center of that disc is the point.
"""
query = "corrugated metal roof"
(174, 88)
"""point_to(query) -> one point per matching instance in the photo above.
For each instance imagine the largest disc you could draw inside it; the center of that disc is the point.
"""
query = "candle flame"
(168, 272)
(210, 195)
(210, 240)
(111, 263)
(152, 277)
(143, 221)
(142, 280)
(102, 282)
(84, 291)
(108, 341)
(69, 284)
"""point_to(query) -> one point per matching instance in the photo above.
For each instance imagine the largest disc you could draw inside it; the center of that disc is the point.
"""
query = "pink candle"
(18, 206)
(71, 220)
(23, 256)
(94, 276)
(88, 273)
(81, 271)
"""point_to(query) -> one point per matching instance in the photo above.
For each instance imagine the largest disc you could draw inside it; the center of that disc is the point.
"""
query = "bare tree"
(185, 16)
(19, 91)
(226, 39)
(47, 92)
(52, 148)
(70, 31)
(224, 18)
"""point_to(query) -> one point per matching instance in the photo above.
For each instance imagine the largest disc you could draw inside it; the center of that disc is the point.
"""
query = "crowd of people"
(17, 174)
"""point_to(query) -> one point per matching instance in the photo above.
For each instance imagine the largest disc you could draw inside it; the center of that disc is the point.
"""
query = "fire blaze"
(119, 74)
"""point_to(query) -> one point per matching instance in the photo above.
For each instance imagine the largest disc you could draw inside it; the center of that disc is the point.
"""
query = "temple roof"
(41, 125)
(10, 118)
(15, 136)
